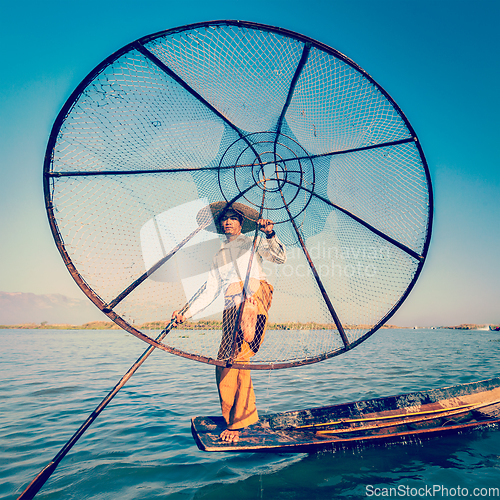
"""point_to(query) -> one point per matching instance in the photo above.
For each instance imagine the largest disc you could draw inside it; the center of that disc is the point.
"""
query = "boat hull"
(389, 419)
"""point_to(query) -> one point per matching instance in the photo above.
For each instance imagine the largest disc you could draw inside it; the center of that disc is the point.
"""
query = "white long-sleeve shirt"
(230, 265)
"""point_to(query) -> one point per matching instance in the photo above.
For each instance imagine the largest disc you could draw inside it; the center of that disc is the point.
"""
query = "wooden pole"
(37, 483)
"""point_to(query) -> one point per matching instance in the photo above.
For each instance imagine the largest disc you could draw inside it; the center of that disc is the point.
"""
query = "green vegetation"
(214, 325)
(93, 325)
(188, 325)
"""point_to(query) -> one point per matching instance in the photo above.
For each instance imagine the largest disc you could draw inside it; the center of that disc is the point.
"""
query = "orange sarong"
(235, 387)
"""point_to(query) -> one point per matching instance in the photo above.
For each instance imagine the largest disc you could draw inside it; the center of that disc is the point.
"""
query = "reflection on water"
(141, 446)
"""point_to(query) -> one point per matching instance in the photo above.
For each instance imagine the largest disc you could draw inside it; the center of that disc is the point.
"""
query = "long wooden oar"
(35, 485)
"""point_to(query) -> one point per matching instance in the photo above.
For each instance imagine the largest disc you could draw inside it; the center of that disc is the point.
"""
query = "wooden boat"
(388, 419)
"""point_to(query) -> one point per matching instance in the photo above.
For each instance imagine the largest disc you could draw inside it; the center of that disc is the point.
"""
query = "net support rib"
(326, 298)
(108, 308)
(154, 59)
(226, 167)
(362, 148)
(158, 62)
(321, 287)
(373, 229)
(135, 172)
(293, 83)
(152, 269)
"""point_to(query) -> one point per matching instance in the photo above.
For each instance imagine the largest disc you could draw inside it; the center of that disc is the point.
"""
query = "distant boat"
(383, 420)
(495, 328)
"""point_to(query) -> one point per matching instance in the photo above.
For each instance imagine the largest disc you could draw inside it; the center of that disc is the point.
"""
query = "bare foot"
(230, 436)
(249, 319)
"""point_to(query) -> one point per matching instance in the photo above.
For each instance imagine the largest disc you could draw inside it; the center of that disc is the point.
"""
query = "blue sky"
(438, 59)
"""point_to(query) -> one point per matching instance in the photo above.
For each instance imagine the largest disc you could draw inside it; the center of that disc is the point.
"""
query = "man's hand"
(266, 225)
(179, 318)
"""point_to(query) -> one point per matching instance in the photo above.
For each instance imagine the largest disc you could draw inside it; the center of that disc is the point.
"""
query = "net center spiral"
(269, 170)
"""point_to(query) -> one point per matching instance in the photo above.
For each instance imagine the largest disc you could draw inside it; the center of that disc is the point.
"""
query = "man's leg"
(237, 401)
(249, 319)
(235, 387)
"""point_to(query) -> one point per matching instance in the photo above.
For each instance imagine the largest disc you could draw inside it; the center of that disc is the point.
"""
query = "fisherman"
(228, 275)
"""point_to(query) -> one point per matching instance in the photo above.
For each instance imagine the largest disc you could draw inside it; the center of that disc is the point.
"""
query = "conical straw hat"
(218, 208)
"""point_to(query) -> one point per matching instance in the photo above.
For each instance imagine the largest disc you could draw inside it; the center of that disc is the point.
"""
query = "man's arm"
(272, 249)
(211, 292)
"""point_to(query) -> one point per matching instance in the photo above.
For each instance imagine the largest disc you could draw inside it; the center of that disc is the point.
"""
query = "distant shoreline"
(217, 325)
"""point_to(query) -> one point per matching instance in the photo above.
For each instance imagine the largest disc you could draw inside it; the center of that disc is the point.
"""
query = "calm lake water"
(141, 445)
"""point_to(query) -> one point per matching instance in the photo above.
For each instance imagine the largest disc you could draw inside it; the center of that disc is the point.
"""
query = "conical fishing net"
(166, 135)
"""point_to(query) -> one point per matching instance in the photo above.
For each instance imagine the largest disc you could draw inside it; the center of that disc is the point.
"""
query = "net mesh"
(240, 114)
